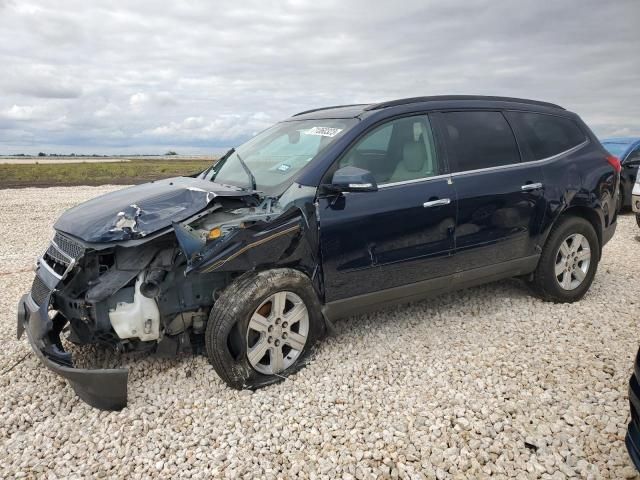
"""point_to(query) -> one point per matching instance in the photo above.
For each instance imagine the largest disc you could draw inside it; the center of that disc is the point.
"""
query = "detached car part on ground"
(332, 212)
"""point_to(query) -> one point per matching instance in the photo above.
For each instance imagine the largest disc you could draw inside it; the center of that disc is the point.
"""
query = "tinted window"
(479, 140)
(547, 135)
(400, 150)
(378, 140)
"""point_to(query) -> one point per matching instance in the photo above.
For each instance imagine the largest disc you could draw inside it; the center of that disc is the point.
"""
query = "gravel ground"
(478, 383)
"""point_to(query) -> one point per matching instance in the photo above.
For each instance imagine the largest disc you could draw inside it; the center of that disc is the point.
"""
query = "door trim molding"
(429, 288)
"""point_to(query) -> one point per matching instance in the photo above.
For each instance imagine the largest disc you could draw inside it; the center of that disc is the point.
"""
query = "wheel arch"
(312, 276)
(589, 214)
(225, 342)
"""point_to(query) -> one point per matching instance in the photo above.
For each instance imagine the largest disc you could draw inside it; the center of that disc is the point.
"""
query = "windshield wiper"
(216, 163)
(249, 174)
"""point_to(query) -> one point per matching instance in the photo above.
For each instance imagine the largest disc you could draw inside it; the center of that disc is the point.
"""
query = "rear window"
(479, 140)
(547, 135)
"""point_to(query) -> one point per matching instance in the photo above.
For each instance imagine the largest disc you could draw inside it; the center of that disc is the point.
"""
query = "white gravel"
(478, 383)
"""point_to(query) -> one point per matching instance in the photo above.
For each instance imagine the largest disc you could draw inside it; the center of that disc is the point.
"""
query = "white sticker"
(323, 131)
(284, 167)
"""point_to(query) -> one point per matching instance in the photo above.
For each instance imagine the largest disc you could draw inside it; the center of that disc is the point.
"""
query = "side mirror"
(353, 179)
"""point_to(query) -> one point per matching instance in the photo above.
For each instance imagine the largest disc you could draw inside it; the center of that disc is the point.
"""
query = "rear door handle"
(436, 203)
(531, 186)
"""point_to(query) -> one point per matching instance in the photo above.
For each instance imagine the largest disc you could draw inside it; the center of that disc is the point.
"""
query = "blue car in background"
(627, 149)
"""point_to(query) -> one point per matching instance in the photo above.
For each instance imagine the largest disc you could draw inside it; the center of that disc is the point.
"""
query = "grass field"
(130, 171)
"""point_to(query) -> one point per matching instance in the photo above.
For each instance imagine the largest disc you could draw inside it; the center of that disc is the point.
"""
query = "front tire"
(568, 262)
(263, 327)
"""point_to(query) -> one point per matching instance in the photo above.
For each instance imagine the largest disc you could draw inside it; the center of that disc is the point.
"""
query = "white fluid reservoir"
(139, 319)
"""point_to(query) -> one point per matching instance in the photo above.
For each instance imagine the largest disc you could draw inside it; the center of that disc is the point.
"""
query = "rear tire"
(255, 324)
(568, 262)
(638, 219)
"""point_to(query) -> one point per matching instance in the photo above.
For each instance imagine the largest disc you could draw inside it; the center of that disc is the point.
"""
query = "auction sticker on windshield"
(323, 131)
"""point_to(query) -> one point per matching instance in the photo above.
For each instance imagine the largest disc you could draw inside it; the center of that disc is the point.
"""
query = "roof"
(355, 110)
(444, 98)
(338, 111)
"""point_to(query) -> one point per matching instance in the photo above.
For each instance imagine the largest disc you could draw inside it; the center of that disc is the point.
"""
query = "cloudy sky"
(146, 76)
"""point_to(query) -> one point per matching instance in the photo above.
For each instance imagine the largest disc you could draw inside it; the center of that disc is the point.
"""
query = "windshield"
(616, 148)
(273, 157)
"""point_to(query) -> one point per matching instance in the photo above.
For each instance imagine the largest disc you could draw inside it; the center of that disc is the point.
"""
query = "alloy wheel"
(572, 261)
(277, 333)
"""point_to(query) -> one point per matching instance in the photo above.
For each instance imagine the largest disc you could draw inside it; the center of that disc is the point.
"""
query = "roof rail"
(328, 108)
(435, 98)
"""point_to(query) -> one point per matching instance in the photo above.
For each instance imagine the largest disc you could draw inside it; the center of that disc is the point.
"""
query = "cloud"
(118, 76)
(39, 81)
(140, 101)
(225, 127)
(18, 112)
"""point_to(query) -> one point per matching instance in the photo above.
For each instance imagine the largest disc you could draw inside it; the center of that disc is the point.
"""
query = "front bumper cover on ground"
(104, 389)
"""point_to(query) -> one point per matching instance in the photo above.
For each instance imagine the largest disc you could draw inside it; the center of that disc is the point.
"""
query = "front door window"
(398, 151)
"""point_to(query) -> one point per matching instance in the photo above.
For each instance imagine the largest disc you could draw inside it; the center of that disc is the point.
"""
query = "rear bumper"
(104, 389)
(632, 439)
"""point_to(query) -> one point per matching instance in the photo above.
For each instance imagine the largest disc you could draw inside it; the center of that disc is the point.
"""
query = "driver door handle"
(436, 203)
(531, 186)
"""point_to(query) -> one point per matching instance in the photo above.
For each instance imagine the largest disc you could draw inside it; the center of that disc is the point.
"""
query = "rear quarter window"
(546, 135)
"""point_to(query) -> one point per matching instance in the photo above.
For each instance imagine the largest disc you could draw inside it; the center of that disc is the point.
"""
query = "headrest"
(414, 156)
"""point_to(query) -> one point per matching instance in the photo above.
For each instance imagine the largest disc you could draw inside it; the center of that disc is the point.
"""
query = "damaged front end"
(104, 389)
(139, 270)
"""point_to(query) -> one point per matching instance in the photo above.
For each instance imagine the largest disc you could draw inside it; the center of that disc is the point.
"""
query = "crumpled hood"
(141, 210)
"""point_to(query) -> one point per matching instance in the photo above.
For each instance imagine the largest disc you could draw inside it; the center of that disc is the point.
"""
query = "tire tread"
(544, 275)
(227, 310)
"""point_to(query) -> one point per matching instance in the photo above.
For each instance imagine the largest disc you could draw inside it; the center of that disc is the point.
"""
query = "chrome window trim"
(415, 180)
(488, 169)
(523, 164)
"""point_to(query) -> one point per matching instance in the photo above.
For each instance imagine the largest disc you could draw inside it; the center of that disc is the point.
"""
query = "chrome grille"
(57, 255)
(61, 253)
(68, 246)
(39, 290)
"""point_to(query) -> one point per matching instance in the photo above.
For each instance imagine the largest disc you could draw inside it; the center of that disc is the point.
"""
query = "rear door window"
(479, 140)
(546, 135)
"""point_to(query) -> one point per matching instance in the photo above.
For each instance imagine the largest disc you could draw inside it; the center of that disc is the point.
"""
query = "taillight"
(614, 162)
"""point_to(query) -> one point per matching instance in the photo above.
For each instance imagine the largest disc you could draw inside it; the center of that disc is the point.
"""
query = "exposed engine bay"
(145, 277)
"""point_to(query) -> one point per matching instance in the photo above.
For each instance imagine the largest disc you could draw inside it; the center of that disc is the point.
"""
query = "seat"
(375, 162)
(414, 163)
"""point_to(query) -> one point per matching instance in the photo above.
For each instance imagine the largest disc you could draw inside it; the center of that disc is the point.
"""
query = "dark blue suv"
(332, 212)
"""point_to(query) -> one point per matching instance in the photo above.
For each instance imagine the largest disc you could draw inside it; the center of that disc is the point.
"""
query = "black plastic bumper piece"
(632, 439)
(104, 389)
